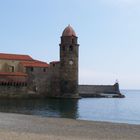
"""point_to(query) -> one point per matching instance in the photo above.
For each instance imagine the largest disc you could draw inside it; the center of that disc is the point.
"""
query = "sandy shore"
(26, 127)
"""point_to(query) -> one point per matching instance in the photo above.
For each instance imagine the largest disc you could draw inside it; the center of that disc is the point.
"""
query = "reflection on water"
(125, 110)
(43, 107)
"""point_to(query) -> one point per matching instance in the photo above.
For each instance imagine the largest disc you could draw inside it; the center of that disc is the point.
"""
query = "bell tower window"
(71, 48)
(73, 41)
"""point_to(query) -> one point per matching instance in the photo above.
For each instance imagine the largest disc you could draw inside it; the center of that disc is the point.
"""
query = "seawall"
(86, 91)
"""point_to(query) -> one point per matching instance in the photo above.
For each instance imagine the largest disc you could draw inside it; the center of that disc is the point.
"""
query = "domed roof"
(68, 31)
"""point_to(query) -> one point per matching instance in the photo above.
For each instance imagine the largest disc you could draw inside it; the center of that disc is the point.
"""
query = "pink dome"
(68, 31)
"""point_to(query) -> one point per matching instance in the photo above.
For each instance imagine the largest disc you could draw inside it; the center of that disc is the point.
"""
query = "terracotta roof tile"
(34, 63)
(16, 77)
(13, 74)
(15, 57)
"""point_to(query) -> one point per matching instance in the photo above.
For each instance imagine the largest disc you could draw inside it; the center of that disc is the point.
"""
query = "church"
(21, 76)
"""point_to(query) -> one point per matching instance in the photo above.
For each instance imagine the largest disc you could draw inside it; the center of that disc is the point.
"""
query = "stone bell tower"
(69, 49)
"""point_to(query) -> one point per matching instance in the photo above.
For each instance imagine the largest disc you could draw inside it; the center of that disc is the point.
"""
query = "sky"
(108, 33)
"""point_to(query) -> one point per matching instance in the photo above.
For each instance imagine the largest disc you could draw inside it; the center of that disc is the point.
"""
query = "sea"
(119, 110)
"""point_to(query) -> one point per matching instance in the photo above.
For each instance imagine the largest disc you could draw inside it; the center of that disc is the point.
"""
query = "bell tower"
(69, 50)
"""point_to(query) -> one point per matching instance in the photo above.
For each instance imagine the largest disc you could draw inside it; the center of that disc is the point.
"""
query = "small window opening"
(32, 69)
(44, 69)
(71, 48)
(11, 68)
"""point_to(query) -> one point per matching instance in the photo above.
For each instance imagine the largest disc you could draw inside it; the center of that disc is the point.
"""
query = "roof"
(13, 77)
(15, 57)
(13, 74)
(54, 62)
(34, 63)
(68, 31)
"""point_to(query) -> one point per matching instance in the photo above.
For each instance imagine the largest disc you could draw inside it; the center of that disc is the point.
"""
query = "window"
(32, 69)
(71, 48)
(44, 69)
(11, 69)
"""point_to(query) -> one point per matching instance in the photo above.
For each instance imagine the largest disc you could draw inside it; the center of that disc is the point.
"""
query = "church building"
(23, 76)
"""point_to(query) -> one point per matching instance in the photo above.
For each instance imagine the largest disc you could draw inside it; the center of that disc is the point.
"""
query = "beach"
(28, 127)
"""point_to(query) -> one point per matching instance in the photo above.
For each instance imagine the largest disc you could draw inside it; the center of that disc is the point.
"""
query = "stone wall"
(38, 80)
(14, 91)
(54, 72)
(6, 65)
(69, 51)
(98, 90)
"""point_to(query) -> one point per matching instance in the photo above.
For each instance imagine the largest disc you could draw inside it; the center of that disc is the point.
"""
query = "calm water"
(125, 110)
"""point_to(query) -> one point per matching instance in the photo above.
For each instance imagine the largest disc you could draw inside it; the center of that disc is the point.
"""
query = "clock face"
(71, 62)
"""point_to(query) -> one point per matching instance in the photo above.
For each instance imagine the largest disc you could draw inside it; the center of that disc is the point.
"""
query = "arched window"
(71, 48)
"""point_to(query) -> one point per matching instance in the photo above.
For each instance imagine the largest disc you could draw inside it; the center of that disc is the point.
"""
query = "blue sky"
(108, 32)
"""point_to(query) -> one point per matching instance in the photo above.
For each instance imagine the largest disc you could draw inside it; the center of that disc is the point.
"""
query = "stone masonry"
(22, 76)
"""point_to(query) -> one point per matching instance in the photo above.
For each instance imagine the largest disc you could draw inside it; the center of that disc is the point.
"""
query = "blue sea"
(122, 110)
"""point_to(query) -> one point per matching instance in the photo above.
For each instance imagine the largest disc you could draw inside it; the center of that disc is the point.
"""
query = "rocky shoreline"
(102, 95)
(32, 95)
